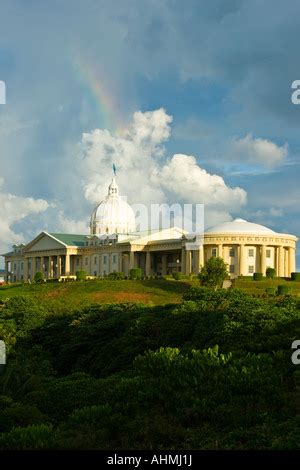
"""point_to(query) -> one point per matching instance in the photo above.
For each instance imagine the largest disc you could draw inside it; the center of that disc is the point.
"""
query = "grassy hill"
(66, 296)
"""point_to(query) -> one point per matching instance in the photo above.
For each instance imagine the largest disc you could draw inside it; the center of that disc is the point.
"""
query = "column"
(263, 259)
(148, 263)
(131, 260)
(281, 263)
(201, 256)
(6, 270)
(58, 262)
(292, 261)
(188, 262)
(276, 261)
(120, 265)
(220, 250)
(26, 269)
(242, 270)
(164, 264)
(67, 265)
(183, 260)
(42, 261)
(196, 255)
(51, 267)
(33, 267)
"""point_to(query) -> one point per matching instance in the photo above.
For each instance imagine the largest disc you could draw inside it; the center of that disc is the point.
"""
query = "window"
(95, 260)
(250, 269)
(104, 259)
(77, 262)
(86, 261)
(95, 273)
(268, 253)
(114, 258)
(251, 253)
(22, 266)
(231, 269)
(231, 252)
(15, 266)
(214, 252)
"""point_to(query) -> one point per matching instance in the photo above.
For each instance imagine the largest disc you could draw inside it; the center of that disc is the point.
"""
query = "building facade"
(113, 245)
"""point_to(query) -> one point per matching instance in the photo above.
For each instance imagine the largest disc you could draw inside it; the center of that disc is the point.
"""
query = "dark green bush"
(39, 277)
(115, 276)
(283, 290)
(177, 276)
(270, 273)
(295, 276)
(81, 275)
(257, 277)
(271, 290)
(135, 273)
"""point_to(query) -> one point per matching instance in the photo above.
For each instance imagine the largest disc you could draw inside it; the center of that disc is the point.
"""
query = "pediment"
(44, 241)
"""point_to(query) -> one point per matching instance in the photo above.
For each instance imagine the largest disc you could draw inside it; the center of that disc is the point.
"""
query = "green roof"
(70, 239)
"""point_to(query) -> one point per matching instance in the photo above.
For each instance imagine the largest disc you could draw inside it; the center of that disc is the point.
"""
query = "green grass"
(65, 296)
(259, 287)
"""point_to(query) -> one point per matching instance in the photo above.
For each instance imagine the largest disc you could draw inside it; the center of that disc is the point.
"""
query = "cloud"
(13, 209)
(258, 151)
(144, 176)
(70, 225)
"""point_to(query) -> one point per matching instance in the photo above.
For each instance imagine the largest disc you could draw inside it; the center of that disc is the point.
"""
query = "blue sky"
(222, 69)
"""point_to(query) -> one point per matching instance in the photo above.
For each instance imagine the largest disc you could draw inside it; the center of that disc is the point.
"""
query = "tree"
(270, 273)
(213, 273)
(38, 277)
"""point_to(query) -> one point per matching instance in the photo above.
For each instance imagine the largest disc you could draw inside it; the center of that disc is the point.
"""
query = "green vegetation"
(81, 275)
(135, 273)
(295, 276)
(270, 273)
(282, 289)
(38, 277)
(257, 276)
(213, 273)
(178, 276)
(212, 371)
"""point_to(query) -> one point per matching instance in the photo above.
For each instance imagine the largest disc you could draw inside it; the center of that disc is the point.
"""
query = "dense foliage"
(213, 273)
(213, 372)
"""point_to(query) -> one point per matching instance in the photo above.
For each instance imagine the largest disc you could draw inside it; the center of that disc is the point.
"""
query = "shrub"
(115, 276)
(135, 273)
(270, 273)
(81, 275)
(271, 290)
(38, 277)
(295, 276)
(282, 290)
(213, 273)
(177, 276)
(257, 277)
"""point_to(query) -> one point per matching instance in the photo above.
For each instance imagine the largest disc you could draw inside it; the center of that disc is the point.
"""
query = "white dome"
(239, 226)
(113, 214)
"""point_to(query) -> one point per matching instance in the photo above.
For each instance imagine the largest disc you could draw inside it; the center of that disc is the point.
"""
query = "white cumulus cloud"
(146, 175)
(258, 151)
(13, 209)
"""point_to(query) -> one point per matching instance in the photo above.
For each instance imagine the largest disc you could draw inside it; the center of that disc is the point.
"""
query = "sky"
(191, 100)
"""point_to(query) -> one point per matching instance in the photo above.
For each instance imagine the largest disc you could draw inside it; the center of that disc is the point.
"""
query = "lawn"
(259, 287)
(65, 296)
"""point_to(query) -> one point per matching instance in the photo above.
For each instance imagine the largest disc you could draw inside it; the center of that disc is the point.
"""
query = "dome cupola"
(113, 214)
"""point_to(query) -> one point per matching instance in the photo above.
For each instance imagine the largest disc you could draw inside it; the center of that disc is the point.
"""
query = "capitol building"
(114, 245)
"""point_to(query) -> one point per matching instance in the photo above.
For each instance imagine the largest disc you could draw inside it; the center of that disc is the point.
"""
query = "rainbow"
(94, 87)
